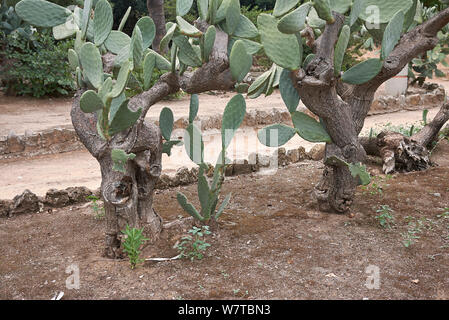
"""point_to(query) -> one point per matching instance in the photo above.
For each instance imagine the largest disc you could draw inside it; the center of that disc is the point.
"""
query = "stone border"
(28, 202)
(60, 140)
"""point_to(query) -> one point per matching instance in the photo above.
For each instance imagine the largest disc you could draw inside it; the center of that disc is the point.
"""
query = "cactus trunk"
(127, 195)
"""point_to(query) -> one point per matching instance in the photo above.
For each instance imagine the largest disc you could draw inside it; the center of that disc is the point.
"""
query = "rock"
(78, 194)
(163, 182)
(293, 156)
(5, 207)
(302, 153)
(263, 160)
(317, 152)
(24, 203)
(15, 143)
(282, 157)
(241, 167)
(57, 198)
(183, 176)
(413, 100)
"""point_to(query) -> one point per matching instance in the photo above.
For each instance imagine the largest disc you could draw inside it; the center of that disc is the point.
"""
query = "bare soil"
(271, 243)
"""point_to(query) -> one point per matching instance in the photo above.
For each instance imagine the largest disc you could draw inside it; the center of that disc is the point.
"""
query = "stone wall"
(64, 140)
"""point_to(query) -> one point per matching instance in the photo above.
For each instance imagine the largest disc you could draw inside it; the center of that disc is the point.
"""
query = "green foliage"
(194, 245)
(96, 207)
(134, 239)
(385, 217)
(119, 159)
(39, 68)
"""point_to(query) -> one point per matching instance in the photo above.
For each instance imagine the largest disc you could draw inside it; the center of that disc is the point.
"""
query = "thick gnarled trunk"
(128, 196)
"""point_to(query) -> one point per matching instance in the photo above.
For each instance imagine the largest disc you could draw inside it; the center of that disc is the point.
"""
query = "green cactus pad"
(309, 129)
(168, 145)
(203, 195)
(245, 28)
(105, 88)
(166, 121)
(123, 119)
(122, 80)
(92, 64)
(103, 20)
(115, 105)
(148, 30)
(223, 206)
(359, 170)
(188, 207)
(212, 13)
(203, 8)
(252, 47)
(259, 82)
(233, 116)
(124, 19)
(392, 34)
(168, 35)
(276, 135)
(90, 102)
(387, 9)
(136, 47)
(116, 41)
(187, 54)
(283, 6)
(193, 143)
(122, 56)
(187, 29)
(362, 72)
(240, 61)
(64, 31)
(194, 106)
(85, 19)
(281, 48)
(340, 48)
(209, 41)
(183, 7)
(233, 16)
(323, 10)
(356, 10)
(289, 93)
(119, 159)
(73, 59)
(340, 6)
(294, 21)
(148, 66)
(40, 13)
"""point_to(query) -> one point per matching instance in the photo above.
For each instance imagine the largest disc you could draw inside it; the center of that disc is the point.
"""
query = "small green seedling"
(385, 217)
(134, 240)
(98, 210)
(193, 246)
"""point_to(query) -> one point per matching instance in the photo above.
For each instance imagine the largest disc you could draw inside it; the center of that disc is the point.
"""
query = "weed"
(133, 242)
(385, 217)
(193, 246)
(98, 210)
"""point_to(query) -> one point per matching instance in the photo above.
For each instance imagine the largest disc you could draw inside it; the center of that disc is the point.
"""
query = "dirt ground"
(271, 243)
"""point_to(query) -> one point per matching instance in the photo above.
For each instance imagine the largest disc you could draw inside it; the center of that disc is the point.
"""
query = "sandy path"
(80, 169)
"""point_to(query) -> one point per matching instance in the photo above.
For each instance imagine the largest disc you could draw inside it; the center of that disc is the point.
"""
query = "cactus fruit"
(281, 48)
(90, 101)
(294, 21)
(392, 34)
(283, 6)
(240, 61)
(289, 93)
(103, 20)
(309, 129)
(40, 13)
(362, 72)
(323, 10)
(340, 48)
(275, 135)
(92, 64)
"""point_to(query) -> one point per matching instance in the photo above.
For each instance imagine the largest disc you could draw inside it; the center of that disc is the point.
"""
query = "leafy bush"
(37, 68)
